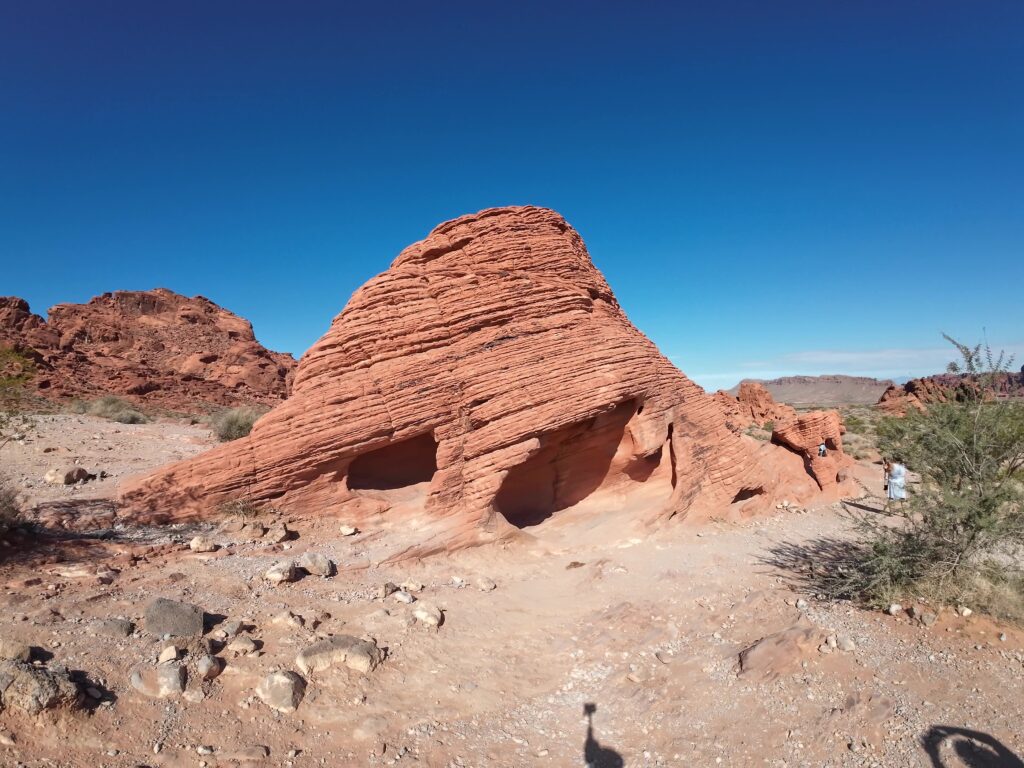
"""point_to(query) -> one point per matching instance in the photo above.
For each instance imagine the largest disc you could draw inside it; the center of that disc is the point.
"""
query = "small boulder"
(316, 564)
(282, 572)
(845, 643)
(161, 682)
(348, 530)
(209, 667)
(485, 584)
(67, 476)
(894, 609)
(428, 614)
(385, 590)
(404, 597)
(282, 691)
(277, 533)
(113, 627)
(288, 619)
(243, 645)
(360, 655)
(202, 544)
(170, 653)
(169, 617)
(31, 689)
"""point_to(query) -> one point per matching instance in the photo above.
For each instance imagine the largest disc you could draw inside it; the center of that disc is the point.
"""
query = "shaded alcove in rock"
(575, 461)
(396, 465)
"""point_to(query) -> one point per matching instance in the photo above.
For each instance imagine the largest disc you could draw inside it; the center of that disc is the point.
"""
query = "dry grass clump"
(234, 423)
(246, 509)
(10, 512)
(112, 408)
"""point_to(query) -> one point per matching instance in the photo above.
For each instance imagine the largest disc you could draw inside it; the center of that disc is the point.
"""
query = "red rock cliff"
(150, 346)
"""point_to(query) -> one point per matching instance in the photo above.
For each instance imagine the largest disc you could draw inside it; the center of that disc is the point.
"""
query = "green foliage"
(234, 423)
(960, 534)
(769, 426)
(15, 370)
(115, 409)
(10, 513)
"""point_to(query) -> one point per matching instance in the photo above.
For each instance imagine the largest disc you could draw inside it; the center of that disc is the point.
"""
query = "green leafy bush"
(960, 536)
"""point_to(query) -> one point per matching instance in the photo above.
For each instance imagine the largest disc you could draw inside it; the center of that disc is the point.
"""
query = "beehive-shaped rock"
(488, 377)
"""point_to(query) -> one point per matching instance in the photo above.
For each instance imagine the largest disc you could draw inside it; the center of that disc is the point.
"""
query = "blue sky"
(770, 188)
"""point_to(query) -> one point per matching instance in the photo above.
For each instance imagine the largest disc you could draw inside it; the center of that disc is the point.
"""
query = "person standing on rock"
(896, 481)
(822, 448)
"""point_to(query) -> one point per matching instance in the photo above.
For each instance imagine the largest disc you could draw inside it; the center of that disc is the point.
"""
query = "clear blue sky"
(770, 187)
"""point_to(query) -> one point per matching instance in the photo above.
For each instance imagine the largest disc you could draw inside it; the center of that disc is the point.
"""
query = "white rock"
(894, 610)
(404, 597)
(348, 530)
(243, 645)
(282, 691)
(427, 614)
(360, 655)
(202, 544)
(170, 653)
(283, 571)
(316, 564)
(485, 584)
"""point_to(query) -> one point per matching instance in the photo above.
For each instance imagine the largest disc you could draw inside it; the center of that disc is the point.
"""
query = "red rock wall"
(499, 338)
(151, 346)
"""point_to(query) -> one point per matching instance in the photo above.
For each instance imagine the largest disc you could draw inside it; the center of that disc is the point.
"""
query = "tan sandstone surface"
(490, 379)
(154, 347)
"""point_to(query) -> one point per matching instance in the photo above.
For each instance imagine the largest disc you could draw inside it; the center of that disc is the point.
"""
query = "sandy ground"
(647, 627)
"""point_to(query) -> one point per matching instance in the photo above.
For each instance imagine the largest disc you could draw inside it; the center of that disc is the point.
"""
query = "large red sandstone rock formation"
(151, 346)
(946, 388)
(753, 404)
(804, 434)
(488, 377)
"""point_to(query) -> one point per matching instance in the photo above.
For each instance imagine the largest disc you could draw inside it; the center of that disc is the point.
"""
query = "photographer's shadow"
(594, 755)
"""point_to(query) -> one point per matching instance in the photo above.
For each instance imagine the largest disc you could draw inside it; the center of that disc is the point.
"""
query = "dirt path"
(646, 627)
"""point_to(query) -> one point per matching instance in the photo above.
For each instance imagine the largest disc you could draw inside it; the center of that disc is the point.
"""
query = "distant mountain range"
(834, 389)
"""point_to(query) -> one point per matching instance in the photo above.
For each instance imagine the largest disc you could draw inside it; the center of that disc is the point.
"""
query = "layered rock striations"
(151, 346)
(490, 380)
(753, 404)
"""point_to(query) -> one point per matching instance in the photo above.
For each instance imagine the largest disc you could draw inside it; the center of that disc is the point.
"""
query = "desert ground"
(588, 639)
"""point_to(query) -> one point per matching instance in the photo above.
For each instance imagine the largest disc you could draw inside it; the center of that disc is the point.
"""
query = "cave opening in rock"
(747, 493)
(575, 461)
(396, 465)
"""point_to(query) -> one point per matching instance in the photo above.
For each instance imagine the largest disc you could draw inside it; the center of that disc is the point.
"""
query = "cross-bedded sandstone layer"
(488, 379)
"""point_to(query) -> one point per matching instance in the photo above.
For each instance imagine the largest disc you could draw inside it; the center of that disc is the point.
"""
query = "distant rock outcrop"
(488, 380)
(753, 404)
(823, 390)
(151, 346)
(946, 388)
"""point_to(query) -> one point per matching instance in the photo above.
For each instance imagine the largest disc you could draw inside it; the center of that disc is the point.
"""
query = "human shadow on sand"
(594, 755)
(973, 748)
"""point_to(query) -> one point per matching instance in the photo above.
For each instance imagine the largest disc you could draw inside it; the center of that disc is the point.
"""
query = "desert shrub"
(10, 513)
(769, 426)
(960, 536)
(15, 371)
(116, 409)
(247, 509)
(234, 423)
